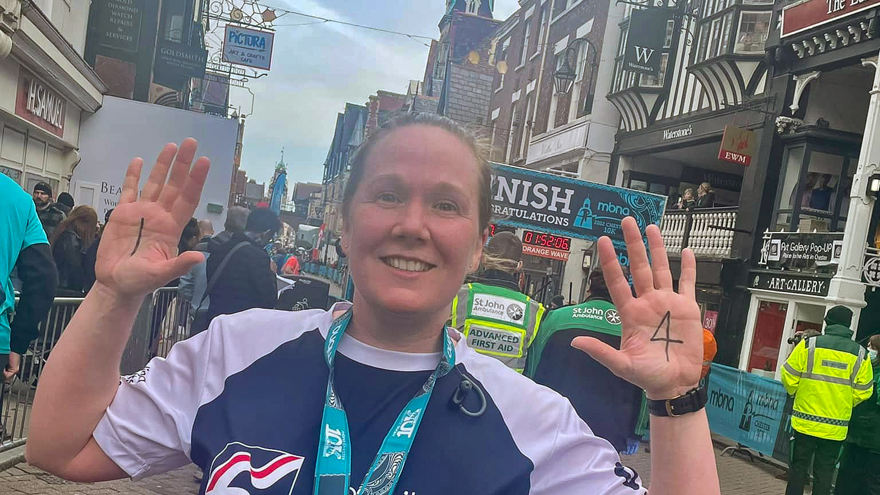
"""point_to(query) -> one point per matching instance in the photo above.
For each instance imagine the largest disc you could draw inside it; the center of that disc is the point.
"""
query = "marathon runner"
(374, 397)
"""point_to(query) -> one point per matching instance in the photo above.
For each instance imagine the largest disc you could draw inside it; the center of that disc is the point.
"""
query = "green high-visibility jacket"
(498, 322)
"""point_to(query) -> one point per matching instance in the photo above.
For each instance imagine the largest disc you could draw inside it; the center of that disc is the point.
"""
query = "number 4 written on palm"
(655, 338)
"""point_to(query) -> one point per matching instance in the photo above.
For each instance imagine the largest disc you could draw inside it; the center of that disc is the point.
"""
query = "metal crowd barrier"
(162, 321)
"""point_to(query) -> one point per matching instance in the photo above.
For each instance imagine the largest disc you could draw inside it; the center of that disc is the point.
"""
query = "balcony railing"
(708, 232)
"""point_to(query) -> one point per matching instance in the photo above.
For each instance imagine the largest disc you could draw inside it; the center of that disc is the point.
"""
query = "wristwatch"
(692, 401)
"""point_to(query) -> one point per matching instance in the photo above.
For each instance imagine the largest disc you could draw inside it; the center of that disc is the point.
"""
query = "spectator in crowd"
(606, 402)
(206, 228)
(23, 246)
(71, 240)
(50, 214)
(501, 263)
(705, 196)
(244, 277)
(686, 201)
(557, 301)
(65, 202)
(91, 256)
(281, 258)
(190, 237)
(858, 474)
(820, 199)
(236, 220)
(828, 375)
(291, 266)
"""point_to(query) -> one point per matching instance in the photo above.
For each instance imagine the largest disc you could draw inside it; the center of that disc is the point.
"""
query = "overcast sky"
(317, 68)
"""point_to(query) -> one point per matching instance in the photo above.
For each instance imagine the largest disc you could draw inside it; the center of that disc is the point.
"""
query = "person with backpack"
(606, 402)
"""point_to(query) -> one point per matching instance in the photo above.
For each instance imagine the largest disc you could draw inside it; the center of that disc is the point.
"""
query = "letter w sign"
(645, 41)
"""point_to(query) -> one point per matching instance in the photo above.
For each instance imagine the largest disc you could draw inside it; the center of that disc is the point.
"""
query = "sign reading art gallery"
(119, 23)
(805, 15)
(39, 105)
(562, 206)
(811, 285)
(644, 44)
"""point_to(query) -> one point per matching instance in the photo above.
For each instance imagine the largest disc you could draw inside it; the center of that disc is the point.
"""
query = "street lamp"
(564, 76)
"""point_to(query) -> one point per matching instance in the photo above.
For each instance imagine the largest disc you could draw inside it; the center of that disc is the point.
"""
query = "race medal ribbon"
(333, 465)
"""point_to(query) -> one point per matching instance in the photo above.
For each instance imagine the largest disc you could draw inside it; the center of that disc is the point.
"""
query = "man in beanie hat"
(828, 375)
(50, 214)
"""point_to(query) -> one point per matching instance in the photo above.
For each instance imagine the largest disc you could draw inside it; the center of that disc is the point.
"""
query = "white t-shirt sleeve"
(581, 462)
(148, 427)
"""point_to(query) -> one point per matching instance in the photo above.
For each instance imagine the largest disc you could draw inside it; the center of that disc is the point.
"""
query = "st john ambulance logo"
(515, 312)
(242, 469)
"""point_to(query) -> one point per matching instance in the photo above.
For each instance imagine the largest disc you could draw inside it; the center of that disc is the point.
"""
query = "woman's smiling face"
(413, 228)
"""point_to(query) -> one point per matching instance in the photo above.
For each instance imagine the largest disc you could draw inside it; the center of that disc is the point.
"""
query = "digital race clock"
(546, 240)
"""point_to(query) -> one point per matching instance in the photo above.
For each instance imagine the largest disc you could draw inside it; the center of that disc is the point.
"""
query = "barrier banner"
(745, 408)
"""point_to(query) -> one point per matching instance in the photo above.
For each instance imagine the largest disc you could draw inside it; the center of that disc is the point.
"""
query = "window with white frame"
(554, 102)
(580, 69)
(752, 33)
(526, 128)
(515, 122)
(502, 55)
(541, 27)
(527, 38)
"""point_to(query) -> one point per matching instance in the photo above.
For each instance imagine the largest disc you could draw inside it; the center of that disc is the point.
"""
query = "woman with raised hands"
(377, 396)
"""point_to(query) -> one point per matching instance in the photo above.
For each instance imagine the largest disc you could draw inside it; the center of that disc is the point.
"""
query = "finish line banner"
(745, 407)
(570, 207)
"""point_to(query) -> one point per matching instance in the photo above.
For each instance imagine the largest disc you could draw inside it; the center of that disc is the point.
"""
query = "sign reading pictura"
(248, 47)
(806, 15)
(40, 105)
(558, 205)
(811, 285)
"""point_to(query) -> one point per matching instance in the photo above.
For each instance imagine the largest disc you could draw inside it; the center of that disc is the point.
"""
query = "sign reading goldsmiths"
(644, 44)
(248, 47)
(569, 207)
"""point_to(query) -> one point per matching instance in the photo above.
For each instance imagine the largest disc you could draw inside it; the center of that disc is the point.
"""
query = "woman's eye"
(447, 206)
(388, 198)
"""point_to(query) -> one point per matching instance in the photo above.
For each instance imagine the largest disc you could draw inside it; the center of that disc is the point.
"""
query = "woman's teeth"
(407, 265)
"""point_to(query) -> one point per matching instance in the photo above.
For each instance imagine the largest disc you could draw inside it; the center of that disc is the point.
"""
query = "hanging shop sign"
(644, 44)
(811, 285)
(737, 145)
(176, 63)
(801, 250)
(568, 207)
(806, 15)
(40, 105)
(248, 47)
(119, 23)
(746, 408)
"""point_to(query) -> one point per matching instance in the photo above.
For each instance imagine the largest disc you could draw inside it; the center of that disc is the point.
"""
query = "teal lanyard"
(333, 465)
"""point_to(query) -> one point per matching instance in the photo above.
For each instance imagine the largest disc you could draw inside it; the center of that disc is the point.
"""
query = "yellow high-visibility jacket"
(828, 375)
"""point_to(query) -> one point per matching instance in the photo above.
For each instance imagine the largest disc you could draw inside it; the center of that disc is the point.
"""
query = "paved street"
(738, 477)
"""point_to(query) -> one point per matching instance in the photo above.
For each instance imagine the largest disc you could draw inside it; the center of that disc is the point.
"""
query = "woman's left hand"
(661, 348)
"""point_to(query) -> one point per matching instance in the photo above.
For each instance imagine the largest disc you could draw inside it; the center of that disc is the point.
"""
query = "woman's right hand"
(138, 250)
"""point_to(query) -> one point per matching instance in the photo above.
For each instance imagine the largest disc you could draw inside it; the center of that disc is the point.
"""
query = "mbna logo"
(613, 208)
(515, 312)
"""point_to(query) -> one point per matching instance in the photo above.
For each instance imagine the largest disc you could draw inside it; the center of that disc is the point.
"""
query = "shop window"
(752, 33)
(656, 81)
(769, 327)
(12, 173)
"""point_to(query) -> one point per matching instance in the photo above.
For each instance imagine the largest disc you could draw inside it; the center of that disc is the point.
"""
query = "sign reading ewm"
(575, 208)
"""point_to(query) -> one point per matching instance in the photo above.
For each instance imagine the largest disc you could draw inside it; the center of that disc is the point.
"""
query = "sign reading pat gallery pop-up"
(569, 207)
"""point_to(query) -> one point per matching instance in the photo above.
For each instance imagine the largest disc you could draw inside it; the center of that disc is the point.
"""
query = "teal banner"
(745, 407)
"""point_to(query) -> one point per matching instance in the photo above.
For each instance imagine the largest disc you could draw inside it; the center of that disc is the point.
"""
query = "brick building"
(459, 70)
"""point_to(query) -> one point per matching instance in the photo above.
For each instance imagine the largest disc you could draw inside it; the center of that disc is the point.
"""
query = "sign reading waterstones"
(801, 250)
(745, 407)
(569, 207)
(644, 44)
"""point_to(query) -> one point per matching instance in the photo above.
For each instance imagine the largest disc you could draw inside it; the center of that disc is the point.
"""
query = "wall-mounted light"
(874, 186)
